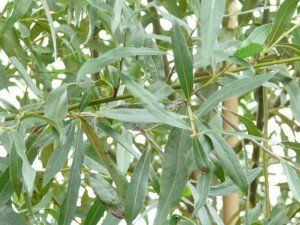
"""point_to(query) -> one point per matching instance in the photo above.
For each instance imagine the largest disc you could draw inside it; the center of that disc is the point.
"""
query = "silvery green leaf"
(104, 190)
(59, 156)
(56, 107)
(259, 35)
(236, 88)
(292, 87)
(152, 105)
(95, 213)
(183, 60)
(154, 63)
(28, 172)
(28, 80)
(122, 154)
(228, 187)
(68, 207)
(20, 9)
(3, 78)
(94, 65)
(211, 16)
(51, 25)
(229, 159)
(282, 20)
(161, 90)
(8, 217)
(293, 180)
(205, 173)
(214, 214)
(117, 12)
(129, 115)
(174, 175)
(137, 188)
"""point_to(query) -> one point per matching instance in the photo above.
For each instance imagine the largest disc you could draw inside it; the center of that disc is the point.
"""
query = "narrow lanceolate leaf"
(20, 9)
(8, 217)
(51, 25)
(250, 126)
(293, 180)
(292, 145)
(292, 87)
(228, 187)
(68, 208)
(95, 213)
(203, 216)
(174, 175)
(236, 88)
(28, 80)
(56, 107)
(3, 78)
(282, 20)
(154, 63)
(281, 218)
(183, 60)
(123, 156)
(99, 147)
(211, 18)
(111, 220)
(259, 35)
(94, 65)
(249, 50)
(15, 169)
(117, 13)
(231, 163)
(229, 160)
(129, 115)
(154, 107)
(205, 174)
(137, 189)
(214, 214)
(115, 135)
(122, 140)
(59, 156)
(104, 190)
(161, 90)
(6, 189)
(28, 172)
(92, 14)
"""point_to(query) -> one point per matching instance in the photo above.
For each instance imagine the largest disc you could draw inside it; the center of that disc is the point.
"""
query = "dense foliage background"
(111, 111)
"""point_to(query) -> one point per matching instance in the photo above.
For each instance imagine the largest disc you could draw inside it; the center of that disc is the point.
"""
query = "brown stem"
(260, 123)
(255, 155)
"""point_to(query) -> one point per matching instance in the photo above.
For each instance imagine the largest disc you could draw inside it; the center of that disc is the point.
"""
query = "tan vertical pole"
(231, 202)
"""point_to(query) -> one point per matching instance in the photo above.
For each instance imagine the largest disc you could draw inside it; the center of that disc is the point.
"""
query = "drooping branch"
(174, 86)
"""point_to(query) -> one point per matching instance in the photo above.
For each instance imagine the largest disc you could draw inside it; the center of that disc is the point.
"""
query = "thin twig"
(174, 86)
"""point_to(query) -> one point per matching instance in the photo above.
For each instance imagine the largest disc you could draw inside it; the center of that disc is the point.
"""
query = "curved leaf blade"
(59, 156)
(236, 88)
(174, 175)
(94, 65)
(150, 102)
(68, 207)
(183, 60)
(95, 213)
(137, 189)
(282, 20)
(205, 175)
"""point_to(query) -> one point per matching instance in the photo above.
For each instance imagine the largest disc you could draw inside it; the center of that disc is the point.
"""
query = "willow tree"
(111, 112)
